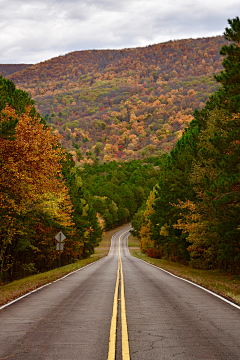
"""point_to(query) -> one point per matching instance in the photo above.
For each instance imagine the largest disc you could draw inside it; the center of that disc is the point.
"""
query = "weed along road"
(120, 308)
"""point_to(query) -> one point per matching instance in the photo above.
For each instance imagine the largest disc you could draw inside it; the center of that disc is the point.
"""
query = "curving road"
(167, 318)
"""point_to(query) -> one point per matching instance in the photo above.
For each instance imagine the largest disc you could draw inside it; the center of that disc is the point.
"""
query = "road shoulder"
(18, 288)
(219, 282)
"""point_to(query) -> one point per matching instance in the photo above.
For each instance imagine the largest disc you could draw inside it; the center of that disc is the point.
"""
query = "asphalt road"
(167, 318)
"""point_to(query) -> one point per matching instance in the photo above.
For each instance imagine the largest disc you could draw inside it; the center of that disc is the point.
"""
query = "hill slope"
(124, 104)
(8, 69)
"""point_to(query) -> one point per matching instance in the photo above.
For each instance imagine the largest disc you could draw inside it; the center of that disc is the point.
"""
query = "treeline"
(117, 190)
(43, 192)
(8, 69)
(164, 58)
(193, 213)
(124, 104)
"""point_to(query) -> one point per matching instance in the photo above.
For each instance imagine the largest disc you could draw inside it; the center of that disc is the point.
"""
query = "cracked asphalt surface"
(167, 318)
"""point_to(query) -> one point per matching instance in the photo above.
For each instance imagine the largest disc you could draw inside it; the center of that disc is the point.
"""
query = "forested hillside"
(8, 69)
(43, 192)
(192, 215)
(124, 104)
(111, 106)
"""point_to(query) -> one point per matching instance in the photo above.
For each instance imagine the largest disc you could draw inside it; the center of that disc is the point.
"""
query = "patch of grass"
(133, 242)
(20, 287)
(215, 280)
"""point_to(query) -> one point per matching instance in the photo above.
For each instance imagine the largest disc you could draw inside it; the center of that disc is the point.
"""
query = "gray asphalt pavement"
(167, 318)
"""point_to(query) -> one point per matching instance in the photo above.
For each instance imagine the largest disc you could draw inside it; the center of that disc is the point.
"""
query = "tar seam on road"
(113, 328)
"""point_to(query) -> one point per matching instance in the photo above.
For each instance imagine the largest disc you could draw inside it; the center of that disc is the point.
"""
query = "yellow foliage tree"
(145, 241)
(30, 176)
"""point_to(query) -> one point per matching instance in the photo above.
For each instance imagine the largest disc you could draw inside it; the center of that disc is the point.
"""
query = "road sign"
(60, 246)
(60, 237)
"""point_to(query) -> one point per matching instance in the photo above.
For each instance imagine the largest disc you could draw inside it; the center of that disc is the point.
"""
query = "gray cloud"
(32, 31)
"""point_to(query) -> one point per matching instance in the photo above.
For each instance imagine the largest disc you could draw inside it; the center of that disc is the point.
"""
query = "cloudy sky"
(32, 30)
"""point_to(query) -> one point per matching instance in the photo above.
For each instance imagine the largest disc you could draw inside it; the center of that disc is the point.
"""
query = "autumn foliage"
(31, 169)
(106, 107)
(41, 193)
(30, 177)
(193, 216)
(124, 104)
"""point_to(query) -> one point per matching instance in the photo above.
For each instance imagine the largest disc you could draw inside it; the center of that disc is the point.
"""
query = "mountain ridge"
(123, 104)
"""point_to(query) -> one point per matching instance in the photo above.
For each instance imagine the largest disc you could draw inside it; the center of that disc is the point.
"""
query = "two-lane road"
(166, 317)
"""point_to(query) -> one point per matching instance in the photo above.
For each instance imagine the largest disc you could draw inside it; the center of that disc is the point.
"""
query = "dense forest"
(192, 214)
(117, 190)
(124, 104)
(8, 69)
(43, 192)
(66, 169)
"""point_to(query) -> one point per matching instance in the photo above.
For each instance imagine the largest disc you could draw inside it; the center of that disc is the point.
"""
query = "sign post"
(60, 237)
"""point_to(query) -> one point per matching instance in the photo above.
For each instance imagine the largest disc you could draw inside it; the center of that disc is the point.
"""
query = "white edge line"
(112, 242)
(117, 236)
(159, 268)
(61, 278)
(41, 287)
(190, 282)
(110, 246)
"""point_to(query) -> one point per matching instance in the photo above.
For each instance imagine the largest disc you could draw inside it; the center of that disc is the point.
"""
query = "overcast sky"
(32, 30)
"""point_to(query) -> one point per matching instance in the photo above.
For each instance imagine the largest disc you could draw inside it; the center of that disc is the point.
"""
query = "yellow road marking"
(125, 344)
(112, 337)
(113, 328)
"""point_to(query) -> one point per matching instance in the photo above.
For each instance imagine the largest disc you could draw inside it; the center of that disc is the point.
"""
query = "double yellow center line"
(113, 329)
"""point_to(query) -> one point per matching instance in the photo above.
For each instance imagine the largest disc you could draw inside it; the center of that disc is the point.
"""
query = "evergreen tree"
(199, 181)
(229, 94)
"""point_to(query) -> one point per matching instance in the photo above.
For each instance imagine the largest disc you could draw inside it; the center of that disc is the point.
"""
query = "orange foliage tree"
(30, 179)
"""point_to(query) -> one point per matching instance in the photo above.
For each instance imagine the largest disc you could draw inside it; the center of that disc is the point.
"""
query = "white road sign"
(60, 236)
(60, 245)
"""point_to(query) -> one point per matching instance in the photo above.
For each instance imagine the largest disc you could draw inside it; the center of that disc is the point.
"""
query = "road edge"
(222, 297)
(62, 277)
(41, 287)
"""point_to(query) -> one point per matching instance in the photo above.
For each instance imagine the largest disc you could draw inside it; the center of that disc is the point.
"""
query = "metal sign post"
(60, 237)
(60, 249)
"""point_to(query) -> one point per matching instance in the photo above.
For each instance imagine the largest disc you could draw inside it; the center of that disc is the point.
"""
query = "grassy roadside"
(20, 287)
(215, 280)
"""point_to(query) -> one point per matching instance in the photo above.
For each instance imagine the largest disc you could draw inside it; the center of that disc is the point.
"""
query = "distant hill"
(8, 69)
(124, 104)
